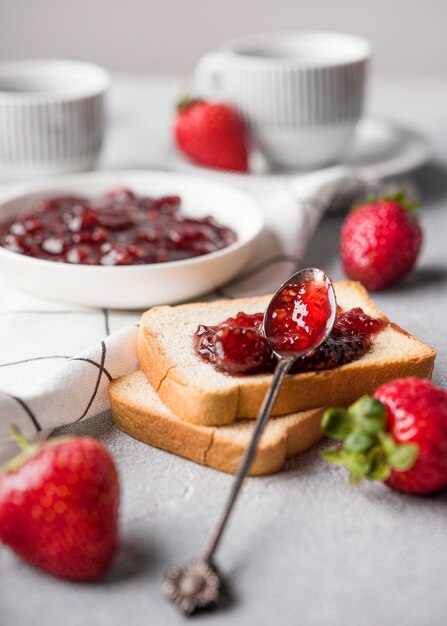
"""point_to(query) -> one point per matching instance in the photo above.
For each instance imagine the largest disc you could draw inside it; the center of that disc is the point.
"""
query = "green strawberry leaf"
(378, 466)
(369, 414)
(369, 450)
(403, 457)
(186, 102)
(358, 441)
(401, 197)
(336, 423)
(357, 465)
(387, 443)
(336, 456)
(410, 205)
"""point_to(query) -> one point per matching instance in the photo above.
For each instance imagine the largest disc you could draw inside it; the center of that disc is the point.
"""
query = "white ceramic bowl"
(138, 286)
(51, 117)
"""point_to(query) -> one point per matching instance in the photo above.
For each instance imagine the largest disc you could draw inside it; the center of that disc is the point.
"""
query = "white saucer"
(378, 149)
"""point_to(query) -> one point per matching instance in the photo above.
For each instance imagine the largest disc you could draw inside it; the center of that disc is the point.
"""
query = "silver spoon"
(197, 584)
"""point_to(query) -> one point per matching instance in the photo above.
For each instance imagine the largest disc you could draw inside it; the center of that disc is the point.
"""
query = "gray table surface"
(304, 547)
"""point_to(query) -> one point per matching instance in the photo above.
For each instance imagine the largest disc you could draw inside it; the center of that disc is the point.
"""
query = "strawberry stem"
(185, 102)
(410, 205)
(20, 439)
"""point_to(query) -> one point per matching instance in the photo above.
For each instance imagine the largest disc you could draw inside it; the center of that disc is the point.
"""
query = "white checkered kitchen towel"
(56, 361)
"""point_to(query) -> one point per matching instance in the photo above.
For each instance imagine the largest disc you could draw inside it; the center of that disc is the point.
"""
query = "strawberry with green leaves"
(59, 507)
(212, 134)
(398, 436)
(380, 241)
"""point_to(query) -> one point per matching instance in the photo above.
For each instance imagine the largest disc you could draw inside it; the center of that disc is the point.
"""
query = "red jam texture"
(119, 228)
(298, 317)
(238, 346)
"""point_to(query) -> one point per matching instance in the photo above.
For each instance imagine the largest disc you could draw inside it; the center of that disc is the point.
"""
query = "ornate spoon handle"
(260, 424)
(197, 584)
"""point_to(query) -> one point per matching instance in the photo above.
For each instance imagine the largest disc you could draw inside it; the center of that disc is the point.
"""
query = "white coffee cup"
(51, 117)
(301, 93)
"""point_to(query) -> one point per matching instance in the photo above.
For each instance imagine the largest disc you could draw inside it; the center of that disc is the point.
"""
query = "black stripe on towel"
(26, 408)
(106, 372)
(106, 321)
(98, 380)
(36, 358)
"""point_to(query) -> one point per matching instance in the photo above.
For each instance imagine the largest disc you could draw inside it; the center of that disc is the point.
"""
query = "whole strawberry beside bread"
(59, 507)
(399, 436)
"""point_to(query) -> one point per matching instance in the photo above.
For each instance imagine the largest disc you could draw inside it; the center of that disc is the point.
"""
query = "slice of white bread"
(137, 410)
(195, 391)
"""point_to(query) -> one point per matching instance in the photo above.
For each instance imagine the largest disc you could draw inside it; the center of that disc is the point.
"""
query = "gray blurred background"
(408, 36)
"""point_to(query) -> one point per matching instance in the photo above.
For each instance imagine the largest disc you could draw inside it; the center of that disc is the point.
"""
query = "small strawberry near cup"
(59, 507)
(380, 241)
(398, 436)
(212, 134)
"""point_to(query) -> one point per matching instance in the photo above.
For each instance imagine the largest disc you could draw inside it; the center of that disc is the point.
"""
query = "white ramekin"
(51, 117)
(301, 93)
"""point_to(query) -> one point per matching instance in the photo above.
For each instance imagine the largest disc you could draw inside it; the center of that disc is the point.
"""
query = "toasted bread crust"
(234, 398)
(151, 353)
(211, 446)
(151, 427)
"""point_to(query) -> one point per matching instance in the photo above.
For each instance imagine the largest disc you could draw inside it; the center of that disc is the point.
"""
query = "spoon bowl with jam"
(301, 314)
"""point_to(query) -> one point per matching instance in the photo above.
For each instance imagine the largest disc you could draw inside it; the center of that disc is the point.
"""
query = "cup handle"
(208, 75)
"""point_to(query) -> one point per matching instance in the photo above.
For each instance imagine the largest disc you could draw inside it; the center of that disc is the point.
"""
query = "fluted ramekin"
(301, 93)
(51, 117)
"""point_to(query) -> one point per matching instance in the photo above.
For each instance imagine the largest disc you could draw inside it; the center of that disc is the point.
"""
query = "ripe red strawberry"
(59, 507)
(399, 436)
(380, 242)
(212, 134)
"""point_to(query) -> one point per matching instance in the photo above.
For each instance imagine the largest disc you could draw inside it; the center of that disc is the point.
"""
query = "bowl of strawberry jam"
(126, 239)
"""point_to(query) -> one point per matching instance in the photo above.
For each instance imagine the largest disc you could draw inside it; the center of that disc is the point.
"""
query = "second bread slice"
(138, 411)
